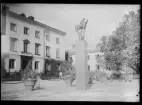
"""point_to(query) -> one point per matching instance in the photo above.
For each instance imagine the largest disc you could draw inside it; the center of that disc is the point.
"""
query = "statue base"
(82, 74)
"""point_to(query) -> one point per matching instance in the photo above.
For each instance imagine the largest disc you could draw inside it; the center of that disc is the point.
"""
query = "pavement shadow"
(11, 97)
(11, 82)
(73, 85)
(89, 85)
(40, 88)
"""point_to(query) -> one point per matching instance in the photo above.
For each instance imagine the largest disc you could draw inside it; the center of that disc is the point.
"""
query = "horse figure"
(80, 29)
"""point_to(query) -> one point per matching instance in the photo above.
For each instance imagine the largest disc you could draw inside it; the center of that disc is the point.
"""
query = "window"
(48, 37)
(37, 49)
(25, 47)
(13, 44)
(73, 46)
(26, 30)
(57, 53)
(88, 67)
(12, 63)
(36, 64)
(97, 56)
(88, 57)
(47, 51)
(26, 42)
(37, 34)
(98, 67)
(57, 40)
(13, 27)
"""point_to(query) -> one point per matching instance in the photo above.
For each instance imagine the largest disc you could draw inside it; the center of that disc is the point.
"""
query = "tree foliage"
(123, 46)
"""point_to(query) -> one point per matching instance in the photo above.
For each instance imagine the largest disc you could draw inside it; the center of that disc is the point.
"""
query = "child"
(60, 72)
(49, 70)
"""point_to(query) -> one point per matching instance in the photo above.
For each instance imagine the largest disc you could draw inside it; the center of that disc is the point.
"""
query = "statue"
(80, 29)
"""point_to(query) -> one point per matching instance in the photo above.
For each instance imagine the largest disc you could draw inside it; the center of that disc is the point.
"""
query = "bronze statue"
(80, 29)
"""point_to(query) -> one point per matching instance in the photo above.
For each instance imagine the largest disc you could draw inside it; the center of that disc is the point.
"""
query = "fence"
(12, 76)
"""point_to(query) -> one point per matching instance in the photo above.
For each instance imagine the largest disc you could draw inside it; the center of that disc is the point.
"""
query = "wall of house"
(41, 63)
(17, 62)
(54, 46)
(92, 61)
(3, 23)
(19, 34)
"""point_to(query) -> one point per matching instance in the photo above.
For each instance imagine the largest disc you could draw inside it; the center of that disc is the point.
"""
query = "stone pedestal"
(82, 74)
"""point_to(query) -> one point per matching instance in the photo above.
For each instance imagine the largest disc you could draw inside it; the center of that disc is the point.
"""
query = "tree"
(123, 46)
(132, 51)
(103, 44)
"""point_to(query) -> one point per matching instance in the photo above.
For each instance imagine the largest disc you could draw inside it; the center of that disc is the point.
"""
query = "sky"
(102, 19)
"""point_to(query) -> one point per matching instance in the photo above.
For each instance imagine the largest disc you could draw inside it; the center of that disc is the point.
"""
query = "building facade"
(93, 58)
(27, 39)
(54, 44)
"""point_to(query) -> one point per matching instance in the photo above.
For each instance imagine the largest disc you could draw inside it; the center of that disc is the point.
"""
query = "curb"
(11, 82)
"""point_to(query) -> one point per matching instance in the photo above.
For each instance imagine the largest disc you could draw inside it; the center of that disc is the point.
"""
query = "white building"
(27, 39)
(92, 58)
(54, 44)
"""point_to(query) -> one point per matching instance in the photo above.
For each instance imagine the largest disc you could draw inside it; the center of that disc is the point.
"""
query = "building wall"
(3, 23)
(17, 62)
(92, 61)
(19, 34)
(4, 44)
(41, 64)
(54, 46)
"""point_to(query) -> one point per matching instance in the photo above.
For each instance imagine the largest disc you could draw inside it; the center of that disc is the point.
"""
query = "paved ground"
(57, 90)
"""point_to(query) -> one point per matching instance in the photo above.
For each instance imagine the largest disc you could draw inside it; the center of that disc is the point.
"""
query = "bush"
(116, 75)
(28, 72)
(17, 76)
(98, 75)
(68, 70)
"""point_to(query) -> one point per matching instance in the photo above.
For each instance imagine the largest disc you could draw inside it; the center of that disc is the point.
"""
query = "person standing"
(60, 72)
(49, 70)
(37, 84)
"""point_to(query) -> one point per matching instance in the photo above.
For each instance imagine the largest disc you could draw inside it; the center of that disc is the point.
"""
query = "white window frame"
(88, 57)
(13, 64)
(13, 44)
(37, 52)
(57, 53)
(47, 37)
(26, 51)
(27, 32)
(57, 40)
(36, 62)
(13, 25)
(88, 67)
(47, 51)
(37, 34)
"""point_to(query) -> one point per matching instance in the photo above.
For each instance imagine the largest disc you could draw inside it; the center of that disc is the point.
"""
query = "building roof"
(36, 22)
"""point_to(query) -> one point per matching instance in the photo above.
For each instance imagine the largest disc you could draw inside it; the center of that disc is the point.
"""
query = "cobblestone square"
(57, 91)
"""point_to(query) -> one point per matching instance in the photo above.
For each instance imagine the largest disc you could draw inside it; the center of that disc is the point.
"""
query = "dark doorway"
(24, 61)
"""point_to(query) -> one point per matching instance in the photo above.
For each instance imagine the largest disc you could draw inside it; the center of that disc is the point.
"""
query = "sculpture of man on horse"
(80, 29)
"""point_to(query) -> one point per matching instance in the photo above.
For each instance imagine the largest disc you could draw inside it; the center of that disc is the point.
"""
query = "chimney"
(31, 17)
(22, 14)
(4, 9)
